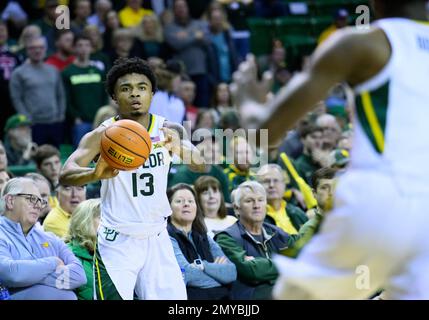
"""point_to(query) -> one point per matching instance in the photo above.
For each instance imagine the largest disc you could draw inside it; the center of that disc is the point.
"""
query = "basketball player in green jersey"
(376, 235)
(134, 255)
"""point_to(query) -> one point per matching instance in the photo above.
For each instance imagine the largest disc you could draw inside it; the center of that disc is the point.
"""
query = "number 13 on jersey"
(142, 184)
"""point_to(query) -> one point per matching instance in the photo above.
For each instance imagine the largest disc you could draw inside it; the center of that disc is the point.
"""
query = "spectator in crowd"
(305, 164)
(184, 173)
(8, 62)
(18, 143)
(164, 101)
(226, 59)
(4, 177)
(221, 100)
(29, 32)
(205, 119)
(189, 41)
(82, 11)
(124, 45)
(3, 157)
(48, 163)
(331, 131)
(210, 198)
(251, 242)
(323, 183)
(292, 144)
(84, 89)
(187, 94)
(64, 55)
(243, 155)
(44, 188)
(47, 24)
(98, 19)
(82, 239)
(58, 219)
(150, 33)
(133, 13)
(207, 271)
(104, 113)
(284, 215)
(38, 93)
(112, 24)
(340, 21)
(98, 57)
(39, 260)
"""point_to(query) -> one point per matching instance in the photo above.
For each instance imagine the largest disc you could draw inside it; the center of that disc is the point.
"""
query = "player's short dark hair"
(309, 129)
(43, 152)
(123, 66)
(323, 173)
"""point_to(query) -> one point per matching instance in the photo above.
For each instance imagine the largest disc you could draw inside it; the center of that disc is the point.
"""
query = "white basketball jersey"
(135, 202)
(392, 109)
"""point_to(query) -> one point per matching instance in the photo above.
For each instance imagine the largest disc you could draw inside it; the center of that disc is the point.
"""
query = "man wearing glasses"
(33, 264)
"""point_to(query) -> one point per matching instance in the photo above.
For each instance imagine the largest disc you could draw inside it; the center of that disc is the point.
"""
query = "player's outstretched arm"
(76, 172)
(177, 142)
(350, 56)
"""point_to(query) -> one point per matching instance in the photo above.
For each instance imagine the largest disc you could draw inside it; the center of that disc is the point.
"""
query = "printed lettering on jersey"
(110, 234)
(423, 43)
(155, 159)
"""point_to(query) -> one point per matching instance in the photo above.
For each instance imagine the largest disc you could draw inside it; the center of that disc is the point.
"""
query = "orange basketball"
(125, 145)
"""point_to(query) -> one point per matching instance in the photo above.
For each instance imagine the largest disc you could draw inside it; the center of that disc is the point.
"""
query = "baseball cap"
(15, 121)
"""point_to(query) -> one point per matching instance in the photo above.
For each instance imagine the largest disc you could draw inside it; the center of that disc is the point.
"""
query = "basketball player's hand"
(103, 170)
(172, 140)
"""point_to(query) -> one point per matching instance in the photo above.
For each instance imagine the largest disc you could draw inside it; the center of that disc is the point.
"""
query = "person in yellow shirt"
(133, 13)
(340, 21)
(285, 215)
(58, 219)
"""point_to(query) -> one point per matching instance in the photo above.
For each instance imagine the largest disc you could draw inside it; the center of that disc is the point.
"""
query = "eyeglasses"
(33, 199)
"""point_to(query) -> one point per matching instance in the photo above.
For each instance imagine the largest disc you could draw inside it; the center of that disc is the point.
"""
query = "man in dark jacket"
(250, 244)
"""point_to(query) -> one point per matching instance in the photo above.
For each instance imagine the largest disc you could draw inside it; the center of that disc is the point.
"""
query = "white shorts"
(146, 266)
(374, 239)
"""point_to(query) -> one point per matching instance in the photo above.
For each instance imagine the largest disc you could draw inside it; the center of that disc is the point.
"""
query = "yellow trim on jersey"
(151, 123)
(422, 22)
(100, 288)
(369, 110)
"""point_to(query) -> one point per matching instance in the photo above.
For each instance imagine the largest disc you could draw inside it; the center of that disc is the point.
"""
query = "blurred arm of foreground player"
(350, 55)
(76, 172)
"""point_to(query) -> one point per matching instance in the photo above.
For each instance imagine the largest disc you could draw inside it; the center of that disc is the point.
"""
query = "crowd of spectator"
(226, 222)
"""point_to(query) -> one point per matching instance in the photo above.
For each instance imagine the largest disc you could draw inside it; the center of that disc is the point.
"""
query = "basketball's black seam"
(115, 158)
(136, 134)
(123, 146)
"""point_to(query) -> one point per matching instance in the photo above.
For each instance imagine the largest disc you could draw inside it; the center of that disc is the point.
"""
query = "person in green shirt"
(82, 238)
(305, 164)
(85, 93)
(250, 244)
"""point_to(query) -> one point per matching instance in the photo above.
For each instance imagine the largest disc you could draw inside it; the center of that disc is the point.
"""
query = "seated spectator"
(4, 177)
(104, 113)
(222, 101)
(18, 142)
(185, 173)
(212, 203)
(205, 119)
(33, 263)
(280, 213)
(48, 163)
(331, 131)
(3, 157)
(82, 239)
(58, 219)
(239, 171)
(340, 18)
(133, 13)
(44, 188)
(250, 244)
(207, 271)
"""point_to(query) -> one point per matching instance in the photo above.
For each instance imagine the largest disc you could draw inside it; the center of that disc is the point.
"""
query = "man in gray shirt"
(37, 92)
(34, 264)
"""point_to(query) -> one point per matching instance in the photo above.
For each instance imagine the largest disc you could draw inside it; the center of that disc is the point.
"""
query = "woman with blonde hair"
(150, 33)
(82, 239)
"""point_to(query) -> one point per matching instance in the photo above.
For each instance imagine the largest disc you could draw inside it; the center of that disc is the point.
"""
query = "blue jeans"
(79, 130)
